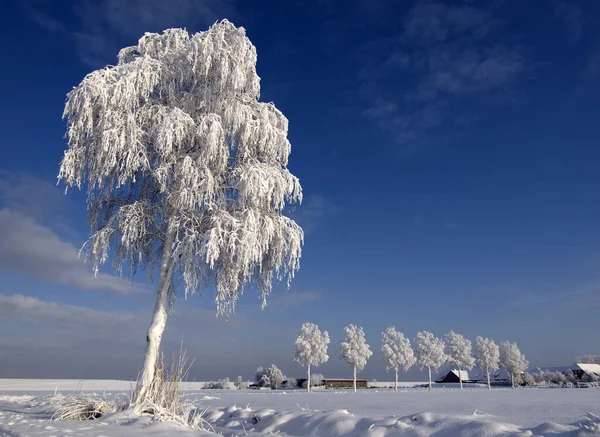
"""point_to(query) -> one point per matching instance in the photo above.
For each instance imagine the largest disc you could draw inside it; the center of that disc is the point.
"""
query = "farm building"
(344, 383)
(453, 376)
(449, 374)
(498, 377)
(581, 369)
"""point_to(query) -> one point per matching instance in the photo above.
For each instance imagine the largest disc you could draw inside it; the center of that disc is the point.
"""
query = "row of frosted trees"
(429, 352)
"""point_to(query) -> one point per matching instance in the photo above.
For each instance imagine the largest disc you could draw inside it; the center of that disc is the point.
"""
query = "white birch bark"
(429, 371)
(158, 324)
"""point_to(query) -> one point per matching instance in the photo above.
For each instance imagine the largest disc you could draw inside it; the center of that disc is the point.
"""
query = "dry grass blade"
(83, 408)
(592, 423)
(164, 400)
(164, 393)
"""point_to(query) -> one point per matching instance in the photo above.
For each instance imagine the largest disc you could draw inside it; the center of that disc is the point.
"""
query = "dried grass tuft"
(83, 408)
(164, 399)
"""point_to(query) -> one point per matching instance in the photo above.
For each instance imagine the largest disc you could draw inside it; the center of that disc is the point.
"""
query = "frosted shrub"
(240, 384)
(316, 379)
(221, 384)
(83, 408)
(529, 379)
(271, 377)
(291, 383)
(589, 359)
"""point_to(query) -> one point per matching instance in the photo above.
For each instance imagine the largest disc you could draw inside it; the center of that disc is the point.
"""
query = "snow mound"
(341, 423)
(32, 416)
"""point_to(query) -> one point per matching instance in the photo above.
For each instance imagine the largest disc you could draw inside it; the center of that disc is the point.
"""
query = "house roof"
(463, 374)
(478, 374)
(450, 369)
(475, 374)
(587, 367)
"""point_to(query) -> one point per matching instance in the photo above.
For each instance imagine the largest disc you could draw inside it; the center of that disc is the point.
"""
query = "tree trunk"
(512, 379)
(159, 321)
(308, 382)
(487, 369)
(460, 377)
(355, 379)
(429, 370)
(396, 382)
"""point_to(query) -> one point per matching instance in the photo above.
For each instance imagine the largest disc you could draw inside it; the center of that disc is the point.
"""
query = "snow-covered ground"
(374, 412)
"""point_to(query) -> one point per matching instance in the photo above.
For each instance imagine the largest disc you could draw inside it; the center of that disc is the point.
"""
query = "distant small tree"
(291, 383)
(539, 377)
(590, 377)
(588, 359)
(558, 378)
(397, 352)
(512, 360)
(316, 379)
(240, 384)
(274, 376)
(220, 384)
(570, 377)
(459, 353)
(529, 379)
(430, 352)
(310, 348)
(261, 378)
(354, 350)
(487, 355)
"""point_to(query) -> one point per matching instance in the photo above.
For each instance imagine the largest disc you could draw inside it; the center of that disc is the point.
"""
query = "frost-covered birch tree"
(430, 352)
(397, 352)
(487, 355)
(512, 360)
(459, 352)
(310, 348)
(185, 170)
(354, 350)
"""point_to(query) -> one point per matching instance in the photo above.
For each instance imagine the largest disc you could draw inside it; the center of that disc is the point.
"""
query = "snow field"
(339, 413)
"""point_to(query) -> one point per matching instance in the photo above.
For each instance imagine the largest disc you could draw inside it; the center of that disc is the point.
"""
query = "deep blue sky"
(448, 151)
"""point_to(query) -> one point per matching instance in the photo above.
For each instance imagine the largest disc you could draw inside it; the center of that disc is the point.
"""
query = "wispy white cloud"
(33, 231)
(567, 297)
(49, 314)
(443, 54)
(314, 210)
(34, 250)
(102, 27)
(42, 19)
(571, 15)
(108, 25)
(53, 340)
(436, 21)
(30, 195)
(102, 323)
